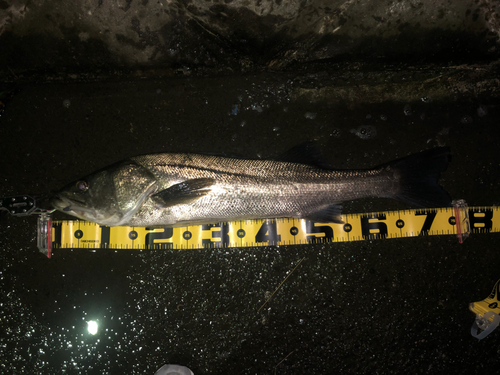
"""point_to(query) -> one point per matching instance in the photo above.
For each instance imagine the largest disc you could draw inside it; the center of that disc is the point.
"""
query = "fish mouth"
(70, 206)
(78, 209)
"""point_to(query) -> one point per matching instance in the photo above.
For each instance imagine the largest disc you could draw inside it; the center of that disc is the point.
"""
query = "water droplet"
(66, 103)
(310, 115)
(335, 133)
(257, 108)
(365, 131)
(407, 110)
(466, 119)
(383, 117)
(482, 111)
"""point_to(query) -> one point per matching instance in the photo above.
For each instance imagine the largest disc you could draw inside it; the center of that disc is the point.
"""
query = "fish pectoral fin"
(329, 214)
(184, 192)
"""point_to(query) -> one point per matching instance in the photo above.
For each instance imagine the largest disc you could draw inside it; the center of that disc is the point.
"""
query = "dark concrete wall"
(229, 36)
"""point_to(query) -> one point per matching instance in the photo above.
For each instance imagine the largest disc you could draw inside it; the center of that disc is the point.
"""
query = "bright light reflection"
(92, 327)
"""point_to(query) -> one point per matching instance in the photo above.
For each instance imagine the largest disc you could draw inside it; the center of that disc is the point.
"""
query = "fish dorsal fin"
(305, 153)
(184, 192)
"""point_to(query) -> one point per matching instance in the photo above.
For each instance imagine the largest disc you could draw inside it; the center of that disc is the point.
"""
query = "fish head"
(110, 196)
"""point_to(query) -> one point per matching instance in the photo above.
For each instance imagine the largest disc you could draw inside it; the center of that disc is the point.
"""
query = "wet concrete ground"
(386, 306)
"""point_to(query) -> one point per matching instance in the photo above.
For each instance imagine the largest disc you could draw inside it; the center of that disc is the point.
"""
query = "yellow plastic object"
(249, 233)
(487, 314)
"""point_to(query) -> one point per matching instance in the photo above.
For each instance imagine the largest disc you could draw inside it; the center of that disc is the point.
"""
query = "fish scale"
(250, 189)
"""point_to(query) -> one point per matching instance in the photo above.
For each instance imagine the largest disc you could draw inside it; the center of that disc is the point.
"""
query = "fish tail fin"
(419, 174)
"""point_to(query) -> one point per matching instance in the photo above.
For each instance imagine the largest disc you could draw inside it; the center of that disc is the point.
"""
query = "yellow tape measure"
(487, 313)
(459, 220)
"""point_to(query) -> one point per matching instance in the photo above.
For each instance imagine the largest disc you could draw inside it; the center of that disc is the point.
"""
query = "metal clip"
(21, 205)
(461, 219)
(24, 205)
(44, 234)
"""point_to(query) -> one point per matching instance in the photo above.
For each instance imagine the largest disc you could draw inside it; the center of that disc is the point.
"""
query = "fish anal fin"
(329, 214)
(184, 192)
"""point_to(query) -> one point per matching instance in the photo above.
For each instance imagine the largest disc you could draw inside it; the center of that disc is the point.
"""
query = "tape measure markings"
(283, 231)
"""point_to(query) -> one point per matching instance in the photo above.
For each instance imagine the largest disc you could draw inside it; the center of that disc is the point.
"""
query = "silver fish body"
(181, 189)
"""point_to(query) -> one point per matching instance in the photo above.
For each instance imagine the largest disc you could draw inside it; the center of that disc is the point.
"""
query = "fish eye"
(82, 186)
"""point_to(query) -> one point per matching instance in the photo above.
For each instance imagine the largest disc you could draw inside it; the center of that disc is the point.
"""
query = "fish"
(179, 189)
